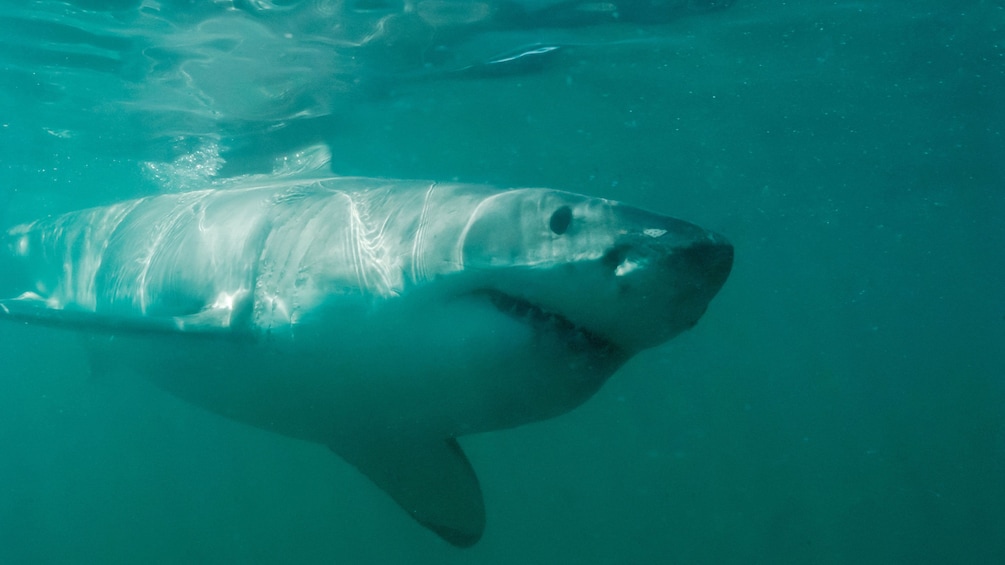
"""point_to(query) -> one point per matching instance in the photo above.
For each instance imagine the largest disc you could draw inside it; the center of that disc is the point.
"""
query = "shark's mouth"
(576, 338)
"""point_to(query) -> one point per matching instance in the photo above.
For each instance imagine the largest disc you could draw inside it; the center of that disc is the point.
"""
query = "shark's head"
(606, 276)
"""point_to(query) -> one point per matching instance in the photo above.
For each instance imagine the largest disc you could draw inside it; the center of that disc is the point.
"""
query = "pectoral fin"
(432, 480)
(34, 310)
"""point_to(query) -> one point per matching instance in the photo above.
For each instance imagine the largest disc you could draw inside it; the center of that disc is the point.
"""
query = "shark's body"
(381, 318)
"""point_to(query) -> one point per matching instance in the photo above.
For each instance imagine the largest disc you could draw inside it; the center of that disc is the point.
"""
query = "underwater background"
(842, 401)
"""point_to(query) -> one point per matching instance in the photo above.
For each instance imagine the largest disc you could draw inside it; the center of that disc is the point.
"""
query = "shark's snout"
(709, 262)
(677, 248)
(667, 271)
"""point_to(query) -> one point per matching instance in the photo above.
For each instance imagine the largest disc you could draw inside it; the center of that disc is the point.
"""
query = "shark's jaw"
(577, 339)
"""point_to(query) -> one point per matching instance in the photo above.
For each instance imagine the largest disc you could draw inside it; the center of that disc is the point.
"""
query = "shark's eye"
(560, 220)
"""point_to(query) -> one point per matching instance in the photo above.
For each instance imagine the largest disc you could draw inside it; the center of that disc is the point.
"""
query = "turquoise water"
(843, 400)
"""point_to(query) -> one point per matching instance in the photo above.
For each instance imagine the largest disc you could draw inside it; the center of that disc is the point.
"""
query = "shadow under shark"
(381, 318)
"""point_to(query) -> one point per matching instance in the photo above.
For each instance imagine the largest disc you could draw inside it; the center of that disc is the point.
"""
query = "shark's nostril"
(614, 257)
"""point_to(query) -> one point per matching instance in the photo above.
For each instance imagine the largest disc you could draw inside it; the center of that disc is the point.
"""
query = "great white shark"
(383, 319)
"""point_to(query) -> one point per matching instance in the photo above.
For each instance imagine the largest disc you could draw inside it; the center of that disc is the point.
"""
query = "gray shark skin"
(381, 318)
